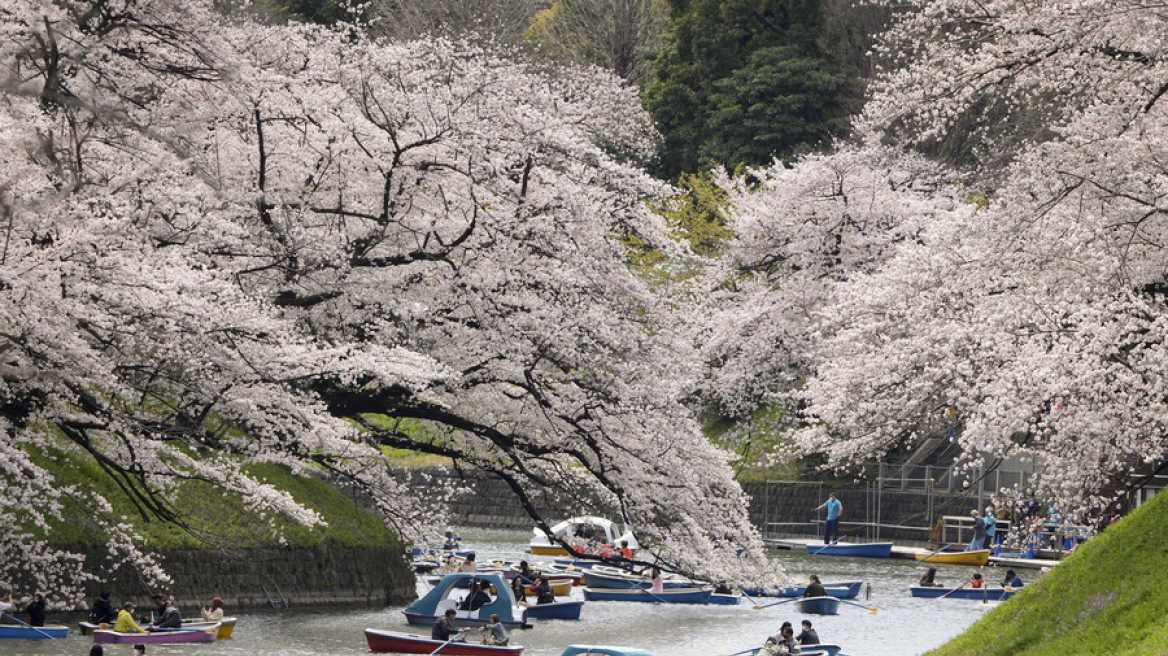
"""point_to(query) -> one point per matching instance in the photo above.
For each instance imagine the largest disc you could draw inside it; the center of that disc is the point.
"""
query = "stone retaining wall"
(250, 578)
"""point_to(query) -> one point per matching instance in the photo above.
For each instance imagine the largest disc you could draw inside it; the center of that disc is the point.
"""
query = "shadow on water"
(903, 625)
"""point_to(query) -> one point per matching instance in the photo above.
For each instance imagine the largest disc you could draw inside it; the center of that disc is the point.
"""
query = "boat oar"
(776, 603)
(934, 553)
(457, 636)
(744, 651)
(952, 591)
(853, 603)
(28, 625)
(826, 546)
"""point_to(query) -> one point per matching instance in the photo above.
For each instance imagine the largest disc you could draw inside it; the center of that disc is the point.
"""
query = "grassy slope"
(218, 519)
(1108, 598)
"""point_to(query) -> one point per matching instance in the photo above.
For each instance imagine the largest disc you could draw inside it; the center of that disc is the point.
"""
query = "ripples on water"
(902, 626)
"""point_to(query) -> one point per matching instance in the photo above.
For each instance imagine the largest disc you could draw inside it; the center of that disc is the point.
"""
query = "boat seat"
(441, 606)
(468, 614)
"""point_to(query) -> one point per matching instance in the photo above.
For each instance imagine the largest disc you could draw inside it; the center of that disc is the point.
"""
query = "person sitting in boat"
(927, 579)
(478, 596)
(814, 588)
(453, 542)
(125, 622)
(1012, 580)
(525, 576)
(808, 636)
(170, 618)
(657, 585)
(625, 551)
(214, 611)
(543, 590)
(102, 611)
(977, 581)
(6, 604)
(139, 650)
(36, 610)
(496, 633)
(444, 628)
(470, 564)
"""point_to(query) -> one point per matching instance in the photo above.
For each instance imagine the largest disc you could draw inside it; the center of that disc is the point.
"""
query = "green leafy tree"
(744, 81)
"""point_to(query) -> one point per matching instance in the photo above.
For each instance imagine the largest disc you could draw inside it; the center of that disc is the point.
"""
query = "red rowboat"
(408, 643)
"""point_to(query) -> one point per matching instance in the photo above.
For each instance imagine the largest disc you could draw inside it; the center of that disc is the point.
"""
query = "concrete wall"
(250, 578)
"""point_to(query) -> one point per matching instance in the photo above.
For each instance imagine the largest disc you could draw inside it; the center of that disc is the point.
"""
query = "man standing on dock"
(831, 526)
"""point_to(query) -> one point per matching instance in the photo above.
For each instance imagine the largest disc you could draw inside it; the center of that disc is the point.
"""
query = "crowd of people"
(164, 615)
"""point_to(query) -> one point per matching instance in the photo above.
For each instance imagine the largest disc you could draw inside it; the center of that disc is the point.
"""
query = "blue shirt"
(833, 508)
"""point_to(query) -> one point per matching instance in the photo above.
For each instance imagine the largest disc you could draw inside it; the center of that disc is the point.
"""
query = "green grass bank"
(1109, 597)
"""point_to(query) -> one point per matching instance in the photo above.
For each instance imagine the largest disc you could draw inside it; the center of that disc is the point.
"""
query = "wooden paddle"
(952, 591)
(461, 635)
(776, 603)
(829, 544)
(853, 603)
(934, 553)
(28, 625)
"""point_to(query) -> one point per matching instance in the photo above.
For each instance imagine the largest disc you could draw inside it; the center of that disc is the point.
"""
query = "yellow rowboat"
(560, 588)
(979, 557)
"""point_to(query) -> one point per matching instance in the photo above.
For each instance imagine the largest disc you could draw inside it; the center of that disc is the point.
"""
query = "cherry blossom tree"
(1032, 307)
(228, 243)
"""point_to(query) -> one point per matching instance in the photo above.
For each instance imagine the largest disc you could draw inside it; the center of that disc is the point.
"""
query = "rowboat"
(589, 532)
(978, 557)
(451, 588)
(818, 605)
(671, 596)
(804, 650)
(560, 587)
(557, 610)
(618, 579)
(861, 550)
(409, 643)
(981, 594)
(33, 632)
(226, 627)
(840, 590)
(208, 634)
(603, 650)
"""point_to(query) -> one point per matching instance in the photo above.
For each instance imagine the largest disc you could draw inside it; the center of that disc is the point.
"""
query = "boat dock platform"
(911, 553)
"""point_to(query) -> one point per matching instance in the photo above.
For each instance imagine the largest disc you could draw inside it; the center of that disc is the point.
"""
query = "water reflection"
(903, 625)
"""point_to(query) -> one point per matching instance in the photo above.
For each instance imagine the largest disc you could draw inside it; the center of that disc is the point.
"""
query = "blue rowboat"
(35, 633)
(673, 596)
(724, 599)
(603, 650)
(865, 550)
(818, 605)
(617, 579)
(980, 594)
(558, 610)
(840, 590)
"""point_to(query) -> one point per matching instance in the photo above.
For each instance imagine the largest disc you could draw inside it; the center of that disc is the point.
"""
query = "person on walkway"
(125, 622)
(808, 636)
(496, 633)
(991, 527)
(213, 612)
(831, 524)
(1012, 580)
(814, 588)
(36, 610)
(979, 532)
(102, 611)
(444, 628)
